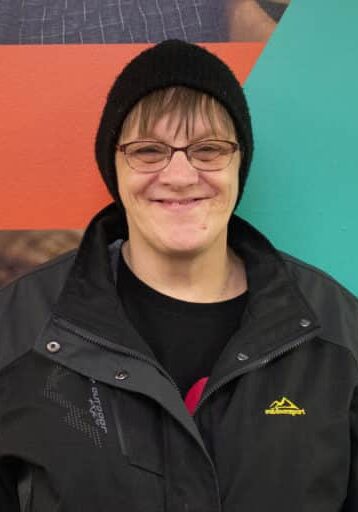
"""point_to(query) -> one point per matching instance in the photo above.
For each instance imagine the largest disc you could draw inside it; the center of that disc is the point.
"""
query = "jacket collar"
(273, 316)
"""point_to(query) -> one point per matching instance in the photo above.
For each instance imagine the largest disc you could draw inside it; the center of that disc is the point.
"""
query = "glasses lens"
(147, 156)
(211, 155)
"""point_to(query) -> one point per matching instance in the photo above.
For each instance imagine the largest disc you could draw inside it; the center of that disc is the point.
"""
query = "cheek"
(128, 184)
(235, 189)
(126, 187)
(133, 190)
(234, 185)
(228, 190)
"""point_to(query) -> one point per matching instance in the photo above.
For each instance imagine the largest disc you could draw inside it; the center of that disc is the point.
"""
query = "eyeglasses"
(150, 156)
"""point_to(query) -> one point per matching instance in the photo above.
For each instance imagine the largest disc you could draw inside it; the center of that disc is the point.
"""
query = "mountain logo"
(284, 406)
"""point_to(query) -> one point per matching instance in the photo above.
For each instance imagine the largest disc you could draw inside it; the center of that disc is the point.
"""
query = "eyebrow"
(209, 134)
(205, 135)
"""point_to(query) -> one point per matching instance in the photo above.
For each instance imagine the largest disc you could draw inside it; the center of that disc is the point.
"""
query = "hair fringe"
(182, 101)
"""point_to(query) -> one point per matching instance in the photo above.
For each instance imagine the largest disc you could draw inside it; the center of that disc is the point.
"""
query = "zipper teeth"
(97, 341)
(256, 365)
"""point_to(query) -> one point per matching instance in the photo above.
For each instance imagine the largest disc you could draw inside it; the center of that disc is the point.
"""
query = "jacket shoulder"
(26, 303)
(335, 306)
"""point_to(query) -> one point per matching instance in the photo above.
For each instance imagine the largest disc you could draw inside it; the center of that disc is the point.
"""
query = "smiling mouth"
(184, 201)
(180, 205)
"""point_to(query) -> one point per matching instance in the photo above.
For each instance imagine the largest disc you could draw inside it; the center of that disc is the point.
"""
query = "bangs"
(177, 102)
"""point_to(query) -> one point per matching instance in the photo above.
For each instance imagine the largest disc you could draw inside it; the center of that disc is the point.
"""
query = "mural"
(55, 72)
(91, 22)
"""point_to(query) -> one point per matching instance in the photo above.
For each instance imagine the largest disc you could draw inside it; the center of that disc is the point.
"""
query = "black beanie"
(171, 63)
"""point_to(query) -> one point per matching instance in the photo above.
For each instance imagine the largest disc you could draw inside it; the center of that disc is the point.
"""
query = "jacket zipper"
(257, 364)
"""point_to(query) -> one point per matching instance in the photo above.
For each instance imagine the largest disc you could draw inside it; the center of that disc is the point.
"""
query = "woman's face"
(172, 229)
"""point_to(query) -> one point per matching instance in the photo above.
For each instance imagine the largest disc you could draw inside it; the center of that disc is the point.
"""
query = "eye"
(147, 149)
(148, 152)
(206, 150)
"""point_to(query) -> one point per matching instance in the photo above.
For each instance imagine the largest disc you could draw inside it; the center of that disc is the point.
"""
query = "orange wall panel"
(50, 103)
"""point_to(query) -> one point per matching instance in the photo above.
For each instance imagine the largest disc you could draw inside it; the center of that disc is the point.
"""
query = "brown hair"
(186, 102)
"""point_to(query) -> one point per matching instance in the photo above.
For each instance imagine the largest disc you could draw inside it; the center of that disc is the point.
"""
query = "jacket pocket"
(138, 423)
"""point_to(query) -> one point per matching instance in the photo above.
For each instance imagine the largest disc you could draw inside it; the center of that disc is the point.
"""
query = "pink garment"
(194, 394)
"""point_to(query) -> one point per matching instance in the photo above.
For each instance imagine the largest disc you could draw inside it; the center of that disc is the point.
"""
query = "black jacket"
(89, 420)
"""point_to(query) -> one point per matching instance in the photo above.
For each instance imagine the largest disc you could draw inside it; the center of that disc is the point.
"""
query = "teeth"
(180, 202)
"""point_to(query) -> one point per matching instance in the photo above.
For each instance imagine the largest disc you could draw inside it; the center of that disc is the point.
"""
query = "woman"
(177, 361)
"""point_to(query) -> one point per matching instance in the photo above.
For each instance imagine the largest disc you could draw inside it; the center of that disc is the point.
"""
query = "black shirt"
(186, 337)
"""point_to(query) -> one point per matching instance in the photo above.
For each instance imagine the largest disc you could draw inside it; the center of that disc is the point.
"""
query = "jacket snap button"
(53, 346)
(242, 357)
(305, 323)
(121, 375)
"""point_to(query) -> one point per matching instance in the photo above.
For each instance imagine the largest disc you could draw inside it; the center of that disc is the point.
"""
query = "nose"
(179, 171)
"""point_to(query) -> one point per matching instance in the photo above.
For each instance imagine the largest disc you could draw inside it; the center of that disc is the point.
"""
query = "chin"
(184, 245)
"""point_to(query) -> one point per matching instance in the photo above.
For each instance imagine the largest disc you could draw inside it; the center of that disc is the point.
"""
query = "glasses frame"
(235, 146)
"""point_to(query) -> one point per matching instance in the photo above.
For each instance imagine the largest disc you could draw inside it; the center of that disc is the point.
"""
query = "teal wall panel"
(303, 186)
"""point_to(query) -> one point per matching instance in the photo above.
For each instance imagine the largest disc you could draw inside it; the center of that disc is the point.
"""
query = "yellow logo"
(284, 406)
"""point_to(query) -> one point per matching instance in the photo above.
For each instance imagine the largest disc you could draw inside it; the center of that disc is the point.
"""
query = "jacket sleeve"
(351, 503)
(8, 490)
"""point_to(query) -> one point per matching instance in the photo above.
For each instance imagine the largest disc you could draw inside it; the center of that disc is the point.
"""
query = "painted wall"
(303, 91)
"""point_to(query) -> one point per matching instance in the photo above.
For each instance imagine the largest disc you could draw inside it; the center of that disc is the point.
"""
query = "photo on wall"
(138, 21)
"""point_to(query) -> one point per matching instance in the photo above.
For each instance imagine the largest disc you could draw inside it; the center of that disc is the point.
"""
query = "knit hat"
(167, 64)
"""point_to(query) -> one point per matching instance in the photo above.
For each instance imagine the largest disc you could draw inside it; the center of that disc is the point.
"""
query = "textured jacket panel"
(335, 306)
(26, 303)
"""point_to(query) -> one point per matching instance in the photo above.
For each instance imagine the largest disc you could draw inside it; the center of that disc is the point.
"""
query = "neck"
(213, 276)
